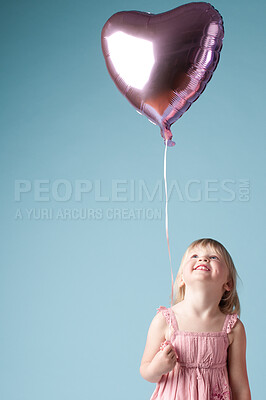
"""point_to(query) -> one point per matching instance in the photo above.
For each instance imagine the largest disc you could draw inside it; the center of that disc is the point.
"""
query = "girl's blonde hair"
(229, 302)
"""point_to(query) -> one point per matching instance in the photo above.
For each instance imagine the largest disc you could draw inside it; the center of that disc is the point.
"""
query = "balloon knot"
(170, 143)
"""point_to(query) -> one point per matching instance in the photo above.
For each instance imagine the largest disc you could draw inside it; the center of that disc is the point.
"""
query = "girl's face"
(205, 264)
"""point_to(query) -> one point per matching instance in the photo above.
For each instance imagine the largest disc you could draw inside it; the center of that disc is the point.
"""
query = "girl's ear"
(181, 281)
(228, 285)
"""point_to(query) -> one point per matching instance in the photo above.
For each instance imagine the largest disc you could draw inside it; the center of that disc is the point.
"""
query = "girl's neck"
(200, 303)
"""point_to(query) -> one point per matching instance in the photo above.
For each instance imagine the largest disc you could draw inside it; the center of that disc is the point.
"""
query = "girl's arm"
(237, 369)
(154, 362)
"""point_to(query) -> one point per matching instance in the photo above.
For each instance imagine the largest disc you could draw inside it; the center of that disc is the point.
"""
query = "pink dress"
(201, 370)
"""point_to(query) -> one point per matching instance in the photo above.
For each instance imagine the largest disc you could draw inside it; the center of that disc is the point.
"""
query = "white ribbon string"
(166, 220)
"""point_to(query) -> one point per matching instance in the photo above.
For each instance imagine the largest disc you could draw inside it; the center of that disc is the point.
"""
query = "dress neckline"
(191, 333)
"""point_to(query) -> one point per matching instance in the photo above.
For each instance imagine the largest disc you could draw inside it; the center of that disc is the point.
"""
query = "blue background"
(77, 296)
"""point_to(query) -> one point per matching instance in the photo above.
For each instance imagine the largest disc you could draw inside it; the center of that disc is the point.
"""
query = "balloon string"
(166, 220)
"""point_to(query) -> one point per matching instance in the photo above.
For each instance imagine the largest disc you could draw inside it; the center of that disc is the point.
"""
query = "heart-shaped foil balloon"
(162, 62)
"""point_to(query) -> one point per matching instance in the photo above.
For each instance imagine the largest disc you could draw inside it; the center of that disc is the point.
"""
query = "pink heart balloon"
(162, 62)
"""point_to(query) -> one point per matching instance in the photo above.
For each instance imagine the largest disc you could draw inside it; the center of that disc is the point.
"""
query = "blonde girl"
(196, 350)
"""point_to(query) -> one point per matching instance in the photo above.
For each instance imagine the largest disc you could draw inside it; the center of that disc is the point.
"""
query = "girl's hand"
(165, 360)
(156, 362)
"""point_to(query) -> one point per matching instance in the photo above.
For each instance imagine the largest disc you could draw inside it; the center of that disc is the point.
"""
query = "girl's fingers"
(174, 358)
(169, 348)
(170, 351)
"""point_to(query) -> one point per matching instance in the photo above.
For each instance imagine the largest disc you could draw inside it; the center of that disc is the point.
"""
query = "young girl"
(196, 350)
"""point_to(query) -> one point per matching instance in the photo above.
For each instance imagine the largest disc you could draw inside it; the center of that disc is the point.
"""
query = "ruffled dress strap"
(169, 315)
(229, 322)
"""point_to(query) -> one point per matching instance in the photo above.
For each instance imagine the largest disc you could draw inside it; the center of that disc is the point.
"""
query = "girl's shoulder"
(235, 328)
(231, 321)
(161, 317)
(159, 323)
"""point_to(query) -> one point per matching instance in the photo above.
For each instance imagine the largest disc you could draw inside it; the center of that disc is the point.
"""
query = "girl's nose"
(204, 258)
